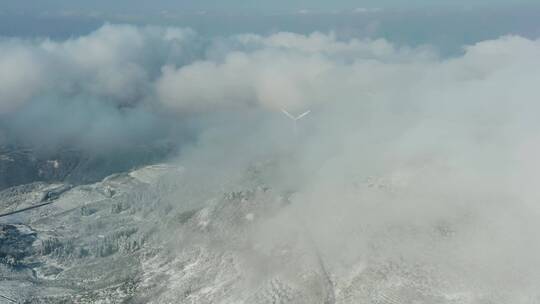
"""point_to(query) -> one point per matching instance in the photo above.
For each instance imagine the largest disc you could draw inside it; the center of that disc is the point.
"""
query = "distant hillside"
(21, 166)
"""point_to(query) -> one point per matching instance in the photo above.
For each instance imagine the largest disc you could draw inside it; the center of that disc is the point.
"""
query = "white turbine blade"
(303, 114)
(288, 114)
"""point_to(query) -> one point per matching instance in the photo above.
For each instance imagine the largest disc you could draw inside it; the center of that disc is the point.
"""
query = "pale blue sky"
(241, 5)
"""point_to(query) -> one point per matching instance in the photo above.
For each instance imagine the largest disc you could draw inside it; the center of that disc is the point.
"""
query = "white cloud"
(284, 70)
(400, 142)
(366, 10)
(116, 62)
(21, 76)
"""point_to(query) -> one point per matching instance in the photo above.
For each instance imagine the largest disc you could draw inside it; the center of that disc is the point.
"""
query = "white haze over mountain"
(454, 140)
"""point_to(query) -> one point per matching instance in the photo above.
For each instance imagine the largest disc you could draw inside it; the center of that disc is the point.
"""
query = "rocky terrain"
(147, 236)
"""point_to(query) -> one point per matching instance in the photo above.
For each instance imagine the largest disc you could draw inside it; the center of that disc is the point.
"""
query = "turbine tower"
(295, 119)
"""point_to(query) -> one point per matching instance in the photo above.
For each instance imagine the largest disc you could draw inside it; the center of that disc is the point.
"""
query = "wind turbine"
(295, 119)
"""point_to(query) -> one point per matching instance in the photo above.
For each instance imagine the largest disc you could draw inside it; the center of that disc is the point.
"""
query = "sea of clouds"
(451, 142)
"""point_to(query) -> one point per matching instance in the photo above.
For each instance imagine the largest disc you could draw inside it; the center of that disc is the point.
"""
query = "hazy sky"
(242, 5)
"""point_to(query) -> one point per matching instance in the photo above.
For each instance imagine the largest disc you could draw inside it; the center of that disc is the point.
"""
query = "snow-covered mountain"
(140, 237)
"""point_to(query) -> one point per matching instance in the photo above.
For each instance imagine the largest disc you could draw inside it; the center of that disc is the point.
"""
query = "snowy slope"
(133, 238)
